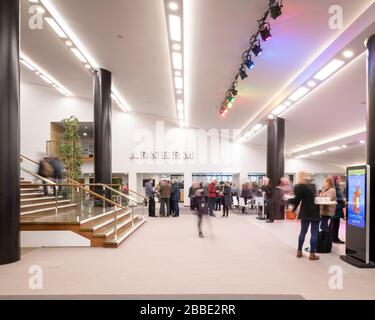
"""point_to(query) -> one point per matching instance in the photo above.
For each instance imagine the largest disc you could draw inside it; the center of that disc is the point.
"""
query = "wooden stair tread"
(40, 198)
(97, 224)
(109, 230)
(124, 234)
(52, 203)
(48, 209)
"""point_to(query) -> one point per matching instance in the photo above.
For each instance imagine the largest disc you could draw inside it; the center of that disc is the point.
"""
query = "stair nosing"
(127, 234)
(109, 233)
(47, 209)
(43, 204)
(103, 224)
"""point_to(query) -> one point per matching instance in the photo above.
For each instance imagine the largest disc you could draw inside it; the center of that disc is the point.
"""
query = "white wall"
(134, 133)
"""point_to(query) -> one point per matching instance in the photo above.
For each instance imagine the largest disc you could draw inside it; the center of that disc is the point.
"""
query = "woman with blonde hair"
(327, 211)
(305, 193)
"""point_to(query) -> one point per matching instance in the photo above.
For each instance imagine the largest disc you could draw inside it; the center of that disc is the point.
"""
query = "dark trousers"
(165, 202)
(192, 207)
(211, 205)
(314, 234)
(171, 205)
(175, 208)
(218, 204)
(225, 210)
(270, 209)
(334, 228)
(324, 220)
(151, 207)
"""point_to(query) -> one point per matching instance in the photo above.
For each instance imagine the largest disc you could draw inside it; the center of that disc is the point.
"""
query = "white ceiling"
(216, 33)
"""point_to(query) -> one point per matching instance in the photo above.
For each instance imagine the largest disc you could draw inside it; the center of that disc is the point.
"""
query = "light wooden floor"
(239, 256)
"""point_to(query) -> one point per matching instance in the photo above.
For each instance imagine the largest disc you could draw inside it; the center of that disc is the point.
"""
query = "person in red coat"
(212, 194)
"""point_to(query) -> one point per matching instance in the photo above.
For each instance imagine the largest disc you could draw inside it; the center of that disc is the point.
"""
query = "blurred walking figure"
(269, 193)
(283, 191)
(202, 208)
(58, 171)
(305, 193)
(45, 171)
(150, 194)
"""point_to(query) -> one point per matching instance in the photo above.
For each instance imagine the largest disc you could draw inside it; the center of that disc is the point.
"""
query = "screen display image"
(357, 198)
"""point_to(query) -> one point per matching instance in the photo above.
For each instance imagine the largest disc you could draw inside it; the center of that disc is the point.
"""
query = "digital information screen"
(357, 197)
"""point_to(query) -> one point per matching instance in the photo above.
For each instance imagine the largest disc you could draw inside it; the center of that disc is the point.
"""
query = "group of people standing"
(168, 193)
(214, 195)
(323, 217)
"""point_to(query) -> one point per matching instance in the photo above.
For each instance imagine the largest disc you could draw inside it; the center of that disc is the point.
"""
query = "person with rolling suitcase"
(326, 213)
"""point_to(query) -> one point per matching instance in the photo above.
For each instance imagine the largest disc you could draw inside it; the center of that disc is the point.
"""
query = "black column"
(9, 132)
(102, 126)
(371, 137)
(275, 155)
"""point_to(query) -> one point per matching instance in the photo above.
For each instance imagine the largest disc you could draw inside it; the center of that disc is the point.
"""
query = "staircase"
(38, 213)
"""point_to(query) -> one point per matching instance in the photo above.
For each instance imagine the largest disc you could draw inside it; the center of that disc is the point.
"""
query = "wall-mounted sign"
(162, 155)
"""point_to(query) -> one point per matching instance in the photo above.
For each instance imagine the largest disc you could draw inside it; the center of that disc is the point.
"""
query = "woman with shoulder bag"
(327, 211)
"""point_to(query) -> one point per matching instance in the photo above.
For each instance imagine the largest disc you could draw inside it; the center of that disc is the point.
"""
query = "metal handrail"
(39, 177)
(106, 186)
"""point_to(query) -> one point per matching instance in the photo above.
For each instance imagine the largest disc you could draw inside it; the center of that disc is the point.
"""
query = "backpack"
(324, 242)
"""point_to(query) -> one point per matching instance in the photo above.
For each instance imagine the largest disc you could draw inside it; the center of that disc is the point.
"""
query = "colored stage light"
(275, 10)
(243, 73)
(265, 32)
(249, 63)
(257, 49)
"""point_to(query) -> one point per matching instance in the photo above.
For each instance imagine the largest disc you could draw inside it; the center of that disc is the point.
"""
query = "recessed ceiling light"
(175, 28)
(279, 110)
(348, 54)
(311, 84)
(315, 153)
(334, 148)
(288, 103)
(329, 69)
(299, 94)
(46, 79)
(176, 47)
(362, 142)
(178, 82)
(177, 60)
(173, 6)
(68, 43)
(271, 116)
(52, 23)
(344, 146)
(85, 134)
(87, 66)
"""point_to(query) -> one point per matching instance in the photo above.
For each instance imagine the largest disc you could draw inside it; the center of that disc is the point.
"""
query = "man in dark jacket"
(150, 194)
(175, 198)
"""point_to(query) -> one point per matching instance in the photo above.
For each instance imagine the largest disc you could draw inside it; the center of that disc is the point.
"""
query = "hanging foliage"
(70, 148)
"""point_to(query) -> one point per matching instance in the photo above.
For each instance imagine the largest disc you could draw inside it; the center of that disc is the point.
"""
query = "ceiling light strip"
(32, 66)
(174, 18)
(62, 29)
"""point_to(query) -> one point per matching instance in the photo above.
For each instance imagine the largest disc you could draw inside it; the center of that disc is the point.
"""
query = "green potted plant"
(70, 148)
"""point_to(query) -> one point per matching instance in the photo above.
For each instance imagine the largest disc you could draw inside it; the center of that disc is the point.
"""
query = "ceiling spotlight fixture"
(243, 73)
(265, 32)
(249, 63)
(311, 84)
(173, 6)
(257, 49)
(85, 134)
(68, 43)
(348, 54)
(275, 9)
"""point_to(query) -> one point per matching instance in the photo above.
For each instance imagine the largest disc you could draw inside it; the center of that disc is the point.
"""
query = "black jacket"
(305, 194)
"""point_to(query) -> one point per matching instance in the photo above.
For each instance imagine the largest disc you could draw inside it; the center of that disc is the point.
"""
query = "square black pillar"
(9, 132)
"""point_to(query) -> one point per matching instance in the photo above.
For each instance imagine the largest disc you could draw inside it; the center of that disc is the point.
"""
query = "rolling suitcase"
(324, 242)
